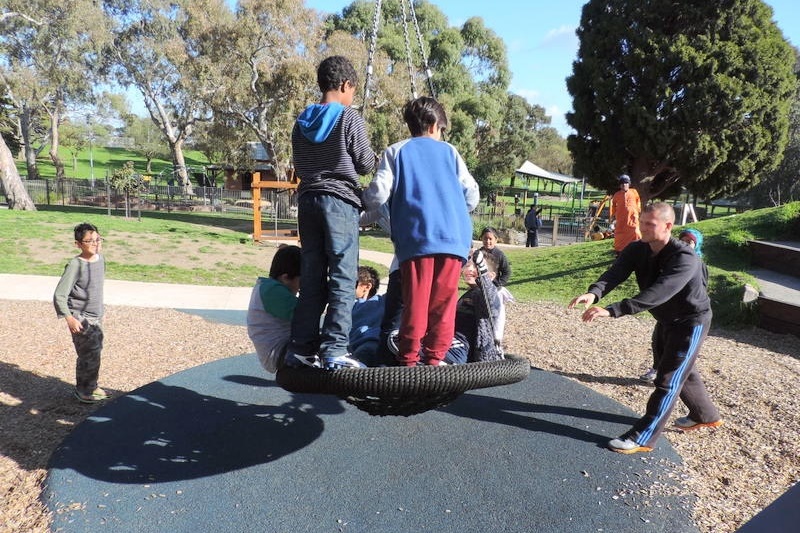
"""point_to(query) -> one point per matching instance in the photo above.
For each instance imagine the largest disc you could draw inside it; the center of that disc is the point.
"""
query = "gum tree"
(50, 50)
(263, 61)
(679, 94)
(153, 51)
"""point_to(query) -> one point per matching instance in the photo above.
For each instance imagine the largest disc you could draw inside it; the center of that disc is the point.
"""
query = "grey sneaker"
(627, 446)
(685, 423)
(295, 360)
(391, 341)
(342, 361)
(649, 376)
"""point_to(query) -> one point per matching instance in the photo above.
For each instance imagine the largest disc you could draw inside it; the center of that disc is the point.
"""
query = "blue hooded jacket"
(318, 120)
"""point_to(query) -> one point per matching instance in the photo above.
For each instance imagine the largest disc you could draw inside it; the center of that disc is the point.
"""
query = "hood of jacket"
(317, 121)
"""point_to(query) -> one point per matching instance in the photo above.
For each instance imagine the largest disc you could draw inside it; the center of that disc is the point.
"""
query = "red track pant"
(430, 295)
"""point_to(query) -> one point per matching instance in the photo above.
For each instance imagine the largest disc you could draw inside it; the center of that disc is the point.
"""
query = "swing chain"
(376, 20)
(408, 51)
(373, 45)
(428, 73)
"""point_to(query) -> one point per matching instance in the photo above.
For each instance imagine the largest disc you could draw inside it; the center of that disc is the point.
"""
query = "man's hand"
(585, 299)
(594, 312)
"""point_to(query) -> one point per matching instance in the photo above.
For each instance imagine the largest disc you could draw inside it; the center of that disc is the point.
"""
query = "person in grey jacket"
(673, 289)
(78, 299)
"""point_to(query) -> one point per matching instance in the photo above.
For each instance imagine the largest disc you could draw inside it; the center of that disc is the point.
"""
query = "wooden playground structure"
(275, 185)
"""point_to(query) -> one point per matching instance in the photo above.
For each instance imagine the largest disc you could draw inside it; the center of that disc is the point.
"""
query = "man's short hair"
(367, 274)
(333, 71)
(286, 261)
(82, 229)
(662, 210)
(422, 113)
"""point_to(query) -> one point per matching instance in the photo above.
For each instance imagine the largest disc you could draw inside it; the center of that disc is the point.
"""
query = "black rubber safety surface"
(221, 447)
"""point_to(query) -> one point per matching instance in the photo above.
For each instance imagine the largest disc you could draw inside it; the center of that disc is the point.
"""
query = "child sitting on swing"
(272, 304)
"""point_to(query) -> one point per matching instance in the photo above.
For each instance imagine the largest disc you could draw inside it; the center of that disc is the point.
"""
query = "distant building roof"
(563, 178)
(528, 169)
(257, 152)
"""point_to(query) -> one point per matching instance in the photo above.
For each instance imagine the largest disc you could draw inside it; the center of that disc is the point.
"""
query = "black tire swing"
(404, 391)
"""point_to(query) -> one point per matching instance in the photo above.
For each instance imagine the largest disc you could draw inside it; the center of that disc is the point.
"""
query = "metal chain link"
(408, 50)
(376, 20)
(428, 72)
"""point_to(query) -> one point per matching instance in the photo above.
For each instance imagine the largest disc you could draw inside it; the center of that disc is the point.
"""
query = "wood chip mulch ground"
(733, 471)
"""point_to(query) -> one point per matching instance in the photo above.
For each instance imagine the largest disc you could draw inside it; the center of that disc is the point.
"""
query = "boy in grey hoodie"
(330, 149)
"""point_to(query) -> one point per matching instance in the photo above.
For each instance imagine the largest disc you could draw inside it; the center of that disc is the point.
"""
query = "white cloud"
(531, 95)
(561, 36)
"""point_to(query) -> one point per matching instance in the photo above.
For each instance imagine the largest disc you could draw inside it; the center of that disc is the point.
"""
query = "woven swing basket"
(404, 391)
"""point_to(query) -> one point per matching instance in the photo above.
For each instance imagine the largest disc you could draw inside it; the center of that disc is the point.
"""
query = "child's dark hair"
(422, 113)
(489, 229)
(333, 71)
(286, 261)
(82, 229)
(369, 275)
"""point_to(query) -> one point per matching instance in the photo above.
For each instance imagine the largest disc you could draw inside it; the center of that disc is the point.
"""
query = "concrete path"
(139, 294)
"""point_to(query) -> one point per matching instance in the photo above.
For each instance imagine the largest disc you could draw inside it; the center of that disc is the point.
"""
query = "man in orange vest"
(625, 209)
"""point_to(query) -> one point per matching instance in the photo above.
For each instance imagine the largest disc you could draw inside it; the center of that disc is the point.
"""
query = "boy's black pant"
(675, 347)
(88, 345)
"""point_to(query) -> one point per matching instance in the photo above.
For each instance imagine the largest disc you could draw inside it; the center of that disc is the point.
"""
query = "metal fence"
(557, 229)
(276, 206)
(281, 204)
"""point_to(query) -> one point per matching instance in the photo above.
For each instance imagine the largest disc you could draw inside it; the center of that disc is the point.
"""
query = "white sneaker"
(342, 361)
(627, 446)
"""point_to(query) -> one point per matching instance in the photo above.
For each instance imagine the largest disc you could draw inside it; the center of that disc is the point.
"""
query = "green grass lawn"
(105, 160)
(40, 242)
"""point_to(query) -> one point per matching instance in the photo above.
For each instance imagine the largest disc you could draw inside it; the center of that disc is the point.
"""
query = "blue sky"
(541, 42)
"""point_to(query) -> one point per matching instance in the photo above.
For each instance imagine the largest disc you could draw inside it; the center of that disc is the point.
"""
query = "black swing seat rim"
(398, 381)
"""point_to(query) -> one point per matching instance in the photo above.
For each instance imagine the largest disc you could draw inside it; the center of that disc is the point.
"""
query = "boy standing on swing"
(423, 179)
(330, 149)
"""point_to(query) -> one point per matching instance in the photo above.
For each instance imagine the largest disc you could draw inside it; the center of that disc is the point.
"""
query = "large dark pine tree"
(684, 93)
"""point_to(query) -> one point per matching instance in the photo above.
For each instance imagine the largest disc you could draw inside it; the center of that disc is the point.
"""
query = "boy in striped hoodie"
(330, 150)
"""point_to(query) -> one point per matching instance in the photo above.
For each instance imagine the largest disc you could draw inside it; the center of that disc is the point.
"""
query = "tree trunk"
(55, 117)
(281, 167)
(16, 194)
(179, 163)
(30, 151)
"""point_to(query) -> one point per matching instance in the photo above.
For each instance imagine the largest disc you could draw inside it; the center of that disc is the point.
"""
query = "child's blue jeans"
(328, 228)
